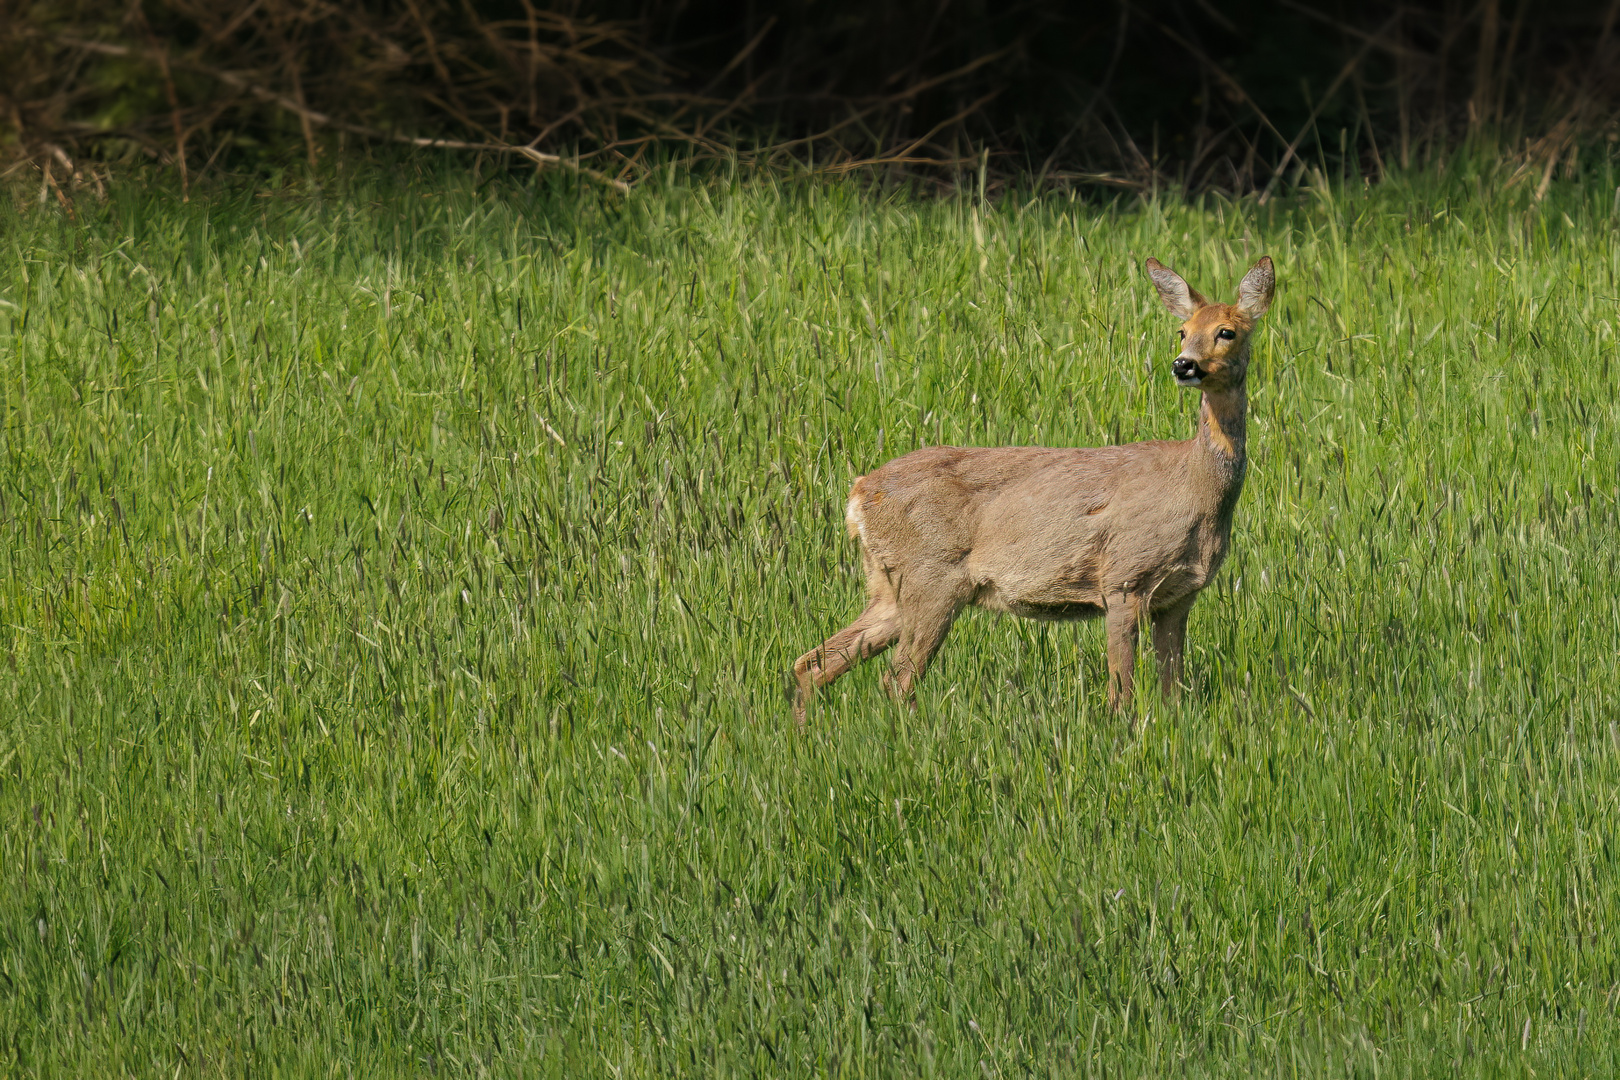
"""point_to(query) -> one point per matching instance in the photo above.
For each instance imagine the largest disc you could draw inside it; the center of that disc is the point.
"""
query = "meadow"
(400, 581)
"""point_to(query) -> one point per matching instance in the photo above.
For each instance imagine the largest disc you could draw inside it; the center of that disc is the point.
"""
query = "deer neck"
(1222, 440)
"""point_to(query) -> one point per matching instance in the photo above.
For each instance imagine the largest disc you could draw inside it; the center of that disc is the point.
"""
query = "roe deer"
(1126, 533)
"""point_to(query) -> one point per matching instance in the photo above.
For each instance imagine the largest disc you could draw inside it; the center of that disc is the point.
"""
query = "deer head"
(1214, 337)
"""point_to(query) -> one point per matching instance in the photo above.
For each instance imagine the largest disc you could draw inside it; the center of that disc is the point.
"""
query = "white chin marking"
(1193, 381)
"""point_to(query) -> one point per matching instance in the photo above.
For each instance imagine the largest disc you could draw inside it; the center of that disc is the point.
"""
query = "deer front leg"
(1170, 642)
(1123, 626)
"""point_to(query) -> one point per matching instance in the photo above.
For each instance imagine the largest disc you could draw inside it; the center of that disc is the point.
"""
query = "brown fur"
(1124, 533)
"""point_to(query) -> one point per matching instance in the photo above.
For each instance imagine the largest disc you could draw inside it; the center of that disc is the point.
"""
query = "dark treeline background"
(1231, 94)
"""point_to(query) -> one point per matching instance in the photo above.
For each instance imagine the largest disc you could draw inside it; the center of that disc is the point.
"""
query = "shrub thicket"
(1235, 95)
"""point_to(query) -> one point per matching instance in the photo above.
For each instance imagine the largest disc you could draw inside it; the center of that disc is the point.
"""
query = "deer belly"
(1059, 612)
(1064, 598)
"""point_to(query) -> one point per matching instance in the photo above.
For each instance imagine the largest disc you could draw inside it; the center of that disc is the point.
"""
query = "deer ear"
(1177, 296)
(1254, 291)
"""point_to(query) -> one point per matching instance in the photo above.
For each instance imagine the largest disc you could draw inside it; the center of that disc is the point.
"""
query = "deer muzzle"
(1186, 371)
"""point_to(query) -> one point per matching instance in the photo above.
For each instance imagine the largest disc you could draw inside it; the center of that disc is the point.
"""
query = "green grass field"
(399, 588)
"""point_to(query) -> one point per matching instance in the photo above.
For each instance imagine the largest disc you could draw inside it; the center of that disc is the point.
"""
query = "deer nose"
(1184, 367)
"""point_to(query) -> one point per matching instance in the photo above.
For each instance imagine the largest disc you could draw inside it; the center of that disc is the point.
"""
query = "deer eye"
(1182, 334)
(1226, 335)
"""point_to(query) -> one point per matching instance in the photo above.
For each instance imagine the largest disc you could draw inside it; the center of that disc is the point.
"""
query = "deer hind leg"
(1170, 642)
(925, 622)
(875, 630)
